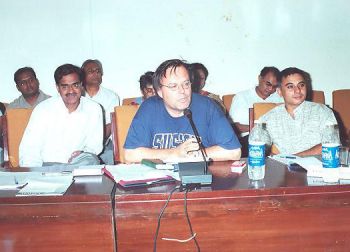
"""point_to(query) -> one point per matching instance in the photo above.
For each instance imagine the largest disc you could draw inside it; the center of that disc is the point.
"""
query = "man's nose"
(181, 88)
(297, 89)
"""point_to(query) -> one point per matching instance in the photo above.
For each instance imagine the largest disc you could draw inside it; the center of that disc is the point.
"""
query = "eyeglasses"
(68, 86)
(175, 86)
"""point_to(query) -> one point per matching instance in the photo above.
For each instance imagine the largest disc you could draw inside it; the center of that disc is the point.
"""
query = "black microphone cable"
(193, 235)
(160, 217)
(189, 221)
(188, 114)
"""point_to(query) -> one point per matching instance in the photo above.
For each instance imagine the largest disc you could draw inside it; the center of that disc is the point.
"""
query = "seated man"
(93, 71)
(296, 126)
(146, 87)
(28, 85)
(198, 75)
(65, 129)
(263, 92)
(160, 130)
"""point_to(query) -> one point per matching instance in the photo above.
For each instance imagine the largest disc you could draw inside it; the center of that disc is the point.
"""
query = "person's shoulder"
(87, 102)
(15, 103)
(44, 95)
(108, 92)
(275, 97)
(47, 105)
(200, 98)
(317, 106)
(246, 92)
(151, 102)
(244, 95)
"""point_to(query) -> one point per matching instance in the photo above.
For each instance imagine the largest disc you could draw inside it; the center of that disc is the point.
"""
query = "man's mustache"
(71, 94)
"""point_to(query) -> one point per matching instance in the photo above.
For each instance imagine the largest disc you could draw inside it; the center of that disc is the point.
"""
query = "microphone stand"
(188, 114)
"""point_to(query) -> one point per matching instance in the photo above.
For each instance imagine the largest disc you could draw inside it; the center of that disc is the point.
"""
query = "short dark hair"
(293, 70)
(270, 69)
(195, 77)
(161, 70)
(66, 69)
(146, 79)
(96, 61)
(199, 66)
(22, 70)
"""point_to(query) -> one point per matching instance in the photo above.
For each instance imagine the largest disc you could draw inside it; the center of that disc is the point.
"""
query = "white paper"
(47, 184)
(130, 172)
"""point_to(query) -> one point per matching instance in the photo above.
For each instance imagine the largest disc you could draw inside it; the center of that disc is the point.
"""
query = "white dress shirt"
(108, 100)
(244, 100)
(53, 134)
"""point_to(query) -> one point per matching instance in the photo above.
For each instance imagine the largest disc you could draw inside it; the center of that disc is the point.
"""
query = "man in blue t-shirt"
(160, 130)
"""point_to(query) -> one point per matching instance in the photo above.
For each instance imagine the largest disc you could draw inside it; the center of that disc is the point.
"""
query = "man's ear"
(58, 89)
(259, 79)
(160, 93)
(279, 91)
(18, 88)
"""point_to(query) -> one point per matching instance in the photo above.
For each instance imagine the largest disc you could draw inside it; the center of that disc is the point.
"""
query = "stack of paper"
(129, 175)
(47, 184)
(314, 168)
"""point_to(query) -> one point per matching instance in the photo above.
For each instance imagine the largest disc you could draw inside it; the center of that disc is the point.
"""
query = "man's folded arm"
(218, 153)
(137, 154)
(315, 150)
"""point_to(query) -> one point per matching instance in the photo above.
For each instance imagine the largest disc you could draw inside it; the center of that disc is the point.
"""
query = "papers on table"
(10, 182)
(47, 185)
(314, 168)
(93, 170)
(36, 183)
(128, 175)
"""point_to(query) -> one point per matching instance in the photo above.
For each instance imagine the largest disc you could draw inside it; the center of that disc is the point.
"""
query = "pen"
(289, 157)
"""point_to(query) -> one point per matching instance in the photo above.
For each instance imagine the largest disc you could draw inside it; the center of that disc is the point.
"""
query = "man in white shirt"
(92, 79)
(67, 129)
(265, 91)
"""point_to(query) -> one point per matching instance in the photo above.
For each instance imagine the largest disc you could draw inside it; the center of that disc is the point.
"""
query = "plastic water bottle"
(330, 153)
(258, 140)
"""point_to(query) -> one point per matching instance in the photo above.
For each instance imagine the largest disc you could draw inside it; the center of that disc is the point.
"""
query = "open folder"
(135, 175)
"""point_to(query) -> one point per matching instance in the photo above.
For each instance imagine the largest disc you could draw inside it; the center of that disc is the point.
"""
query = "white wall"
(234, 39)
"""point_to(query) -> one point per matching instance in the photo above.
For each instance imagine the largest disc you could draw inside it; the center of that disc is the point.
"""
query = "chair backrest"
(14, 123)
(317, 96)
(341, 105)
(121, 120)
(227, 100)
(262, 108)
(258, 110)
(129, 101)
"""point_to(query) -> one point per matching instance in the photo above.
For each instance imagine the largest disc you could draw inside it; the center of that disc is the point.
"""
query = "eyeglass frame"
(175, 86)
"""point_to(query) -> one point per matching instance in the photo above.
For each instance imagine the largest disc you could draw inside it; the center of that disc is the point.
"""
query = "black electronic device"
(294, 167)
(195, 172)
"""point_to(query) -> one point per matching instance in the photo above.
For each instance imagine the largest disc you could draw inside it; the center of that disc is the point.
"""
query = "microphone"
(188, 114)
(193, 173)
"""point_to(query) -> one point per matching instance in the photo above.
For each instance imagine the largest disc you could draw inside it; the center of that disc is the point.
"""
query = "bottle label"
(256, 156)
(330, 155)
